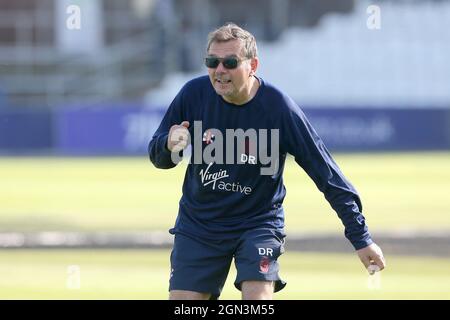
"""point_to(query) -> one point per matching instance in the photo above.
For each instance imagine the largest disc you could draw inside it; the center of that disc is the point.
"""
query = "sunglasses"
(227, 62)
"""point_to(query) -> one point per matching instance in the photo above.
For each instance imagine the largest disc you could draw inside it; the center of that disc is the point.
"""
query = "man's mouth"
(223, 81)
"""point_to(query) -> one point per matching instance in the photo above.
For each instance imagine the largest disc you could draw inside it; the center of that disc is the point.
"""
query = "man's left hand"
(372, 256)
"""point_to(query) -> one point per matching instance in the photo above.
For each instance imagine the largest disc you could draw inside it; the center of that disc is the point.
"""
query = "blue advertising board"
(382, 129)
(25, 130)
(106, 131)
(126, 130)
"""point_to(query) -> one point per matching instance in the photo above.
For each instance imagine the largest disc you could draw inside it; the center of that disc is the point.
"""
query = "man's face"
(232, 84)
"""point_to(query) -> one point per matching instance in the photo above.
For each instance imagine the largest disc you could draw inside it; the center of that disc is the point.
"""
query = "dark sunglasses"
(227, 62)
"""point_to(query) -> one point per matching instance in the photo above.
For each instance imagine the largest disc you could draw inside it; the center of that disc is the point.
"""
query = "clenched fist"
(178, 138)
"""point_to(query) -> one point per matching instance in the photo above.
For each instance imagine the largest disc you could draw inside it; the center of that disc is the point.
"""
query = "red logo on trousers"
(264, 265)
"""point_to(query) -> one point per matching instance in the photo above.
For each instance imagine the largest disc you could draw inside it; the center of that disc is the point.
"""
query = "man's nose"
(220, 68)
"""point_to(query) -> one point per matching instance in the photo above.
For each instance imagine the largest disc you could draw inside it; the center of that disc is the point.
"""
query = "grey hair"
(231, 31)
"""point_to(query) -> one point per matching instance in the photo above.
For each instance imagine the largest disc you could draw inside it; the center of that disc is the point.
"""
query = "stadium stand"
(147, 45)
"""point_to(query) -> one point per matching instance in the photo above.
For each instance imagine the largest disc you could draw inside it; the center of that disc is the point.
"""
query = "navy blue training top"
(221, 199)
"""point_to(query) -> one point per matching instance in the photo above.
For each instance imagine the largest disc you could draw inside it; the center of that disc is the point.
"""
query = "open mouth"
(223, 81)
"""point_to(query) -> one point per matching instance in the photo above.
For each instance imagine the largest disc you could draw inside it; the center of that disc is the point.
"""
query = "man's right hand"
(179, 137)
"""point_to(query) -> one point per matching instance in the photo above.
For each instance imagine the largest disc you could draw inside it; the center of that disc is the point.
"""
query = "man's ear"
(254, 62)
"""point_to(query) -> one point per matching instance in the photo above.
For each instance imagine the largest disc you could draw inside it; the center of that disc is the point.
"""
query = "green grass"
(128, 274)
(399, 191)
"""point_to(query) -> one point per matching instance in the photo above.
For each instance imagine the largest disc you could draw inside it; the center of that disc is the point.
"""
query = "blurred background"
(85, 83)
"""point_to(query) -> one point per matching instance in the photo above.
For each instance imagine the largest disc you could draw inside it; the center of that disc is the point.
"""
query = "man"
(234, 210)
